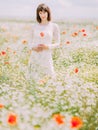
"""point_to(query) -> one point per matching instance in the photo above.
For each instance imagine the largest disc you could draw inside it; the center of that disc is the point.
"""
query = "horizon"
(26, 9)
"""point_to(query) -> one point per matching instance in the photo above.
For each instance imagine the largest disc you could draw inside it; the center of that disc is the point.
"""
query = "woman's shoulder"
(55, 26)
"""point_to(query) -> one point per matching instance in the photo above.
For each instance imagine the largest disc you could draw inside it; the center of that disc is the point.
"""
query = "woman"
(43, 34)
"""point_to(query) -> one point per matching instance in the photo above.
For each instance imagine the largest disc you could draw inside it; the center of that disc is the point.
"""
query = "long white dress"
(41, 63)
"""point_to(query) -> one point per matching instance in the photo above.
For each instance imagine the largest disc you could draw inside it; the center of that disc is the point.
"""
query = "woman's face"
(43, 15)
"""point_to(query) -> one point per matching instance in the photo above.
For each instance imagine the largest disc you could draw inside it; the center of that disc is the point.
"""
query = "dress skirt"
(41, 65)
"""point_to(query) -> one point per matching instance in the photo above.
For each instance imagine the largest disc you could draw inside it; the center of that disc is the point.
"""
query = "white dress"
(41, 63)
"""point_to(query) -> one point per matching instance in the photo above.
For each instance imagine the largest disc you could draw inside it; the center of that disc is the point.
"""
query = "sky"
(61, 9)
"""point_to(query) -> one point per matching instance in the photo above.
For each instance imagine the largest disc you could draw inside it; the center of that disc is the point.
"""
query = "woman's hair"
(43, 7)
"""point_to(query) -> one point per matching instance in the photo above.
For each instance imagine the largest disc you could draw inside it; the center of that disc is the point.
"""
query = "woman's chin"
(44, 19)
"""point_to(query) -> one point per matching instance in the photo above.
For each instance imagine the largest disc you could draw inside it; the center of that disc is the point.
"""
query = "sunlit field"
(70, 102)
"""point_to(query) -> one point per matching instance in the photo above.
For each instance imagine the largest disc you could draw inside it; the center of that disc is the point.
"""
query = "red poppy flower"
(1, 106)
(76, 122)
(24, 42)
(76, 70)
(6, 63)
(67, 42)
(83, 30)
(12, 119)
(42, 34)
(97, 27)
(3, 53)
(59, 119)
(84, 34)
(14, 52)
(74, 34)
(63, 32)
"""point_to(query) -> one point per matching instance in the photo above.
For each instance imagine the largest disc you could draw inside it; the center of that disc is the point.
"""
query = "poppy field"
(70, 102)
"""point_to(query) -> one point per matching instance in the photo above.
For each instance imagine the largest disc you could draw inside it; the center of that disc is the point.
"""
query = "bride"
(43, 34)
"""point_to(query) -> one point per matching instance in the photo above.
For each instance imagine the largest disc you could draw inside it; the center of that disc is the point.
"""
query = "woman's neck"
(44, 22)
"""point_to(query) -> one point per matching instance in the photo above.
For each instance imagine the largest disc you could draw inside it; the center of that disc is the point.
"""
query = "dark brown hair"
(43, 7)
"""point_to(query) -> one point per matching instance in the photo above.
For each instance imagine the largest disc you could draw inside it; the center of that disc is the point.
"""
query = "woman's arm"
(56, 37)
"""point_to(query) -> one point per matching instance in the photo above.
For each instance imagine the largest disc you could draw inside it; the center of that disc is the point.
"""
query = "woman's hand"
(40, 48)
(37, 49)
(43, 46)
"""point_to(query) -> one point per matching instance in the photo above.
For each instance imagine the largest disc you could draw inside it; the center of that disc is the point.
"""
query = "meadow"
(68, 103)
